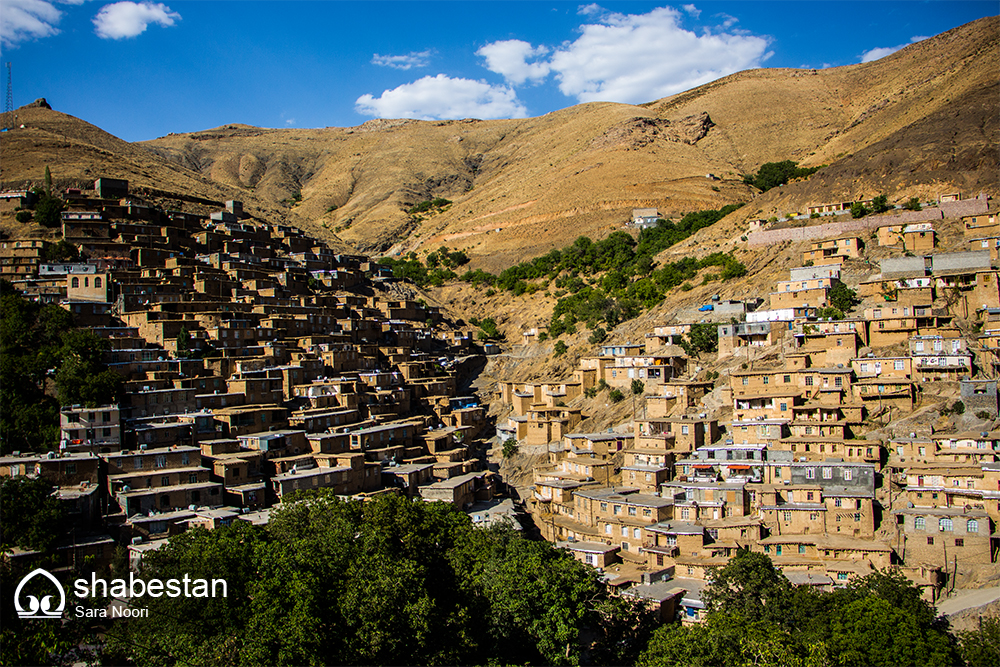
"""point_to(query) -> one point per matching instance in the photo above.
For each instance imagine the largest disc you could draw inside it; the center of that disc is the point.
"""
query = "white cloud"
(592, 9)
(442, 97)
(129, 19)
(636, 58)
(21, 20)
(883, 51)
(510, 59)
(692, 10)
(727, 20)
(410, 60)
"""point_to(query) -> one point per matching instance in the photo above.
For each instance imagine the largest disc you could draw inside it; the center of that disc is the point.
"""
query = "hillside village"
(258, 362)
(655, 362)
(823, 442)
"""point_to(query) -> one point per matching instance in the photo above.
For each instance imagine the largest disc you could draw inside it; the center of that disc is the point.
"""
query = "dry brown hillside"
(918, 122)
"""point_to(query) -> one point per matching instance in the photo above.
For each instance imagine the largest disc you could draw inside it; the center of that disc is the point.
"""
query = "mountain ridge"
(521, 187)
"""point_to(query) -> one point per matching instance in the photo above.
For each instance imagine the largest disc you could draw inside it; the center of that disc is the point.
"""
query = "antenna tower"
(8, 106)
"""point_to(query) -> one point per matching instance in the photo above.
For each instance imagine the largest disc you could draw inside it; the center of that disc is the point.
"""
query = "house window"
(161, 461)
(607, 529)
(786, 515)
(945, 524)
(631, 511)
(802, 548)
(788, 378)
(684, 429)
(604, 507)
(165, 481)
(809, 495)
(810, 473)
(838, 381)
(97, 282)
(838, 502)
(959, 542)
(617, 509)
(827, 473)
(636, 533)
(746, 381)
(841, 576)
(809, 381)
(75, 282)
(972, 526)
(930, 540)
(899, 365)
(137, 463)
(767, 380)
(848, 474)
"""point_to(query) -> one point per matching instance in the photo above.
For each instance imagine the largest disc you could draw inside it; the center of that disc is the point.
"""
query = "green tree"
(913, 204)
(390, 581)
(842, 297)
(183, 343)
(880, 204)
(637, 387)
(616, 396)
(488, 329)
(597, 336)
(981, 647)
(871, 631)
(48, 211)
(510, 447)
(748, 585)
(830, 312)
(772, 174)
(730, 639)
(63, 251)
(23, 216)
(82, 377)
(703, 337)
(32, 516)
(48, 181)
(560, 348)
(858, 210)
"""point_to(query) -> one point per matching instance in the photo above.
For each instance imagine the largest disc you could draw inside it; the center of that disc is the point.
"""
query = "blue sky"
(143, 69)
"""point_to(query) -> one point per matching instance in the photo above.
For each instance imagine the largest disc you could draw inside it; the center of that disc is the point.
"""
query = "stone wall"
(831, 229)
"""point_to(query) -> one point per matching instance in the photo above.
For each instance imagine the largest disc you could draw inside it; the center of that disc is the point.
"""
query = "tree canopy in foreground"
(389, 581)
